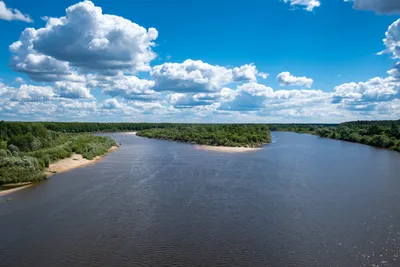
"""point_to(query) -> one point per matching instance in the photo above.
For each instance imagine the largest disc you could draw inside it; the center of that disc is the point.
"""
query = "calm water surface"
(301, 201)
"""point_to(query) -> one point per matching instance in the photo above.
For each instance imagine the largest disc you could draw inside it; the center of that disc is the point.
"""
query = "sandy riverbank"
(15, 189)
(227, 149)
(129, 133)
(75, 161)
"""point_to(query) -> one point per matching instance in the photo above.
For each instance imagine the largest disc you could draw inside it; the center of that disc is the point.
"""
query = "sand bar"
(129, 133)
(227, 149)
(75, 161)
(9, 191)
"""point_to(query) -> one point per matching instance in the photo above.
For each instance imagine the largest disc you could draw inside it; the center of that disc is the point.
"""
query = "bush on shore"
(20, 169)
(26, 149)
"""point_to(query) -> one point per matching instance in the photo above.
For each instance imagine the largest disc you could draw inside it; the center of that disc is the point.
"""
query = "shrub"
(13, 148)
(90, 146)
(3, 153)
(26, 149)
(20, 169)
(3, 145)
(397, 146)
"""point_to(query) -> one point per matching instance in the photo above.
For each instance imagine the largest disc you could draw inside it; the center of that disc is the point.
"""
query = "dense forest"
(233, 135)
(384, 134)
(80, 127)
(26, 149)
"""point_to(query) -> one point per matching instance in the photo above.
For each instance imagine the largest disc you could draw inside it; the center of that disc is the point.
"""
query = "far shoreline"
(129, 133)
(227, 149)
(216, 148)
(64, 165)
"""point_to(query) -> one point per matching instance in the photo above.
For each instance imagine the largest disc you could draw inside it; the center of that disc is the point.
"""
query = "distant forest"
(384, 134)
(27, 148)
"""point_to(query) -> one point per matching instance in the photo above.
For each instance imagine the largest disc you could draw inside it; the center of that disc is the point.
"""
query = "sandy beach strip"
(227, 149)
(129, 133)
(15, 189)
(73, 162)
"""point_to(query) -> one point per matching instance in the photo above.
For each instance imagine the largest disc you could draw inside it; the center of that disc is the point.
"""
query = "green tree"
(13, 148)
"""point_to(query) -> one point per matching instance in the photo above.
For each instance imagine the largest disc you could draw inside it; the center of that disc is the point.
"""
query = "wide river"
(301, 201)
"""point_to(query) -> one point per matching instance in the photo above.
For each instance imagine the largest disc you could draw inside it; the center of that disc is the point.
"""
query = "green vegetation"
(384, 134)
(300, 128)
(90, 146)
(26, 149)
(233, 135)
(80, 127)
(213, 134)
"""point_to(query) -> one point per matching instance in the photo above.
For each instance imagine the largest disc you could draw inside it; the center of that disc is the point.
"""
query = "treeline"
(233, 135)
(85, 127)
(299, 127)
(80, 127)
(26, 149)
(384, 134)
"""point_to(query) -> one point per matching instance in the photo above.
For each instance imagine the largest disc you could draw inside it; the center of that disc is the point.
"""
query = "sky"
(256, 61)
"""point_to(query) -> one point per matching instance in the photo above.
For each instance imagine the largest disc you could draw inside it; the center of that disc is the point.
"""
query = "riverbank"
(129, 133)
(64, 165)
(15, 187)
(73, 162)
(227, 149)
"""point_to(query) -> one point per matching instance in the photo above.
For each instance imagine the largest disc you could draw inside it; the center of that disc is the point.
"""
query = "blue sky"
(200, 61)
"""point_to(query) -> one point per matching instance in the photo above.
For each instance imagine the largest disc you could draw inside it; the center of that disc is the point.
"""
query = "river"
(300, 201)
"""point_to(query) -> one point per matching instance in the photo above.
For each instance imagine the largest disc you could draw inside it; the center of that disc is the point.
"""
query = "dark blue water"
(301, 201)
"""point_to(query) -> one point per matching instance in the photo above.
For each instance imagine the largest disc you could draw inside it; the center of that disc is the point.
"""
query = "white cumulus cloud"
(111, 104)
(308, 5)
(191, 100)
(392, 40)
(395, 71)
(195, 76)
(73, 90)
(12, 14)
(129, 87)
(253, 97)
(378, 6)
(247, 72)
(19, 80)
(286, 79)
(27, 93)
(86, 40)
(249, 96)
(366, 95)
